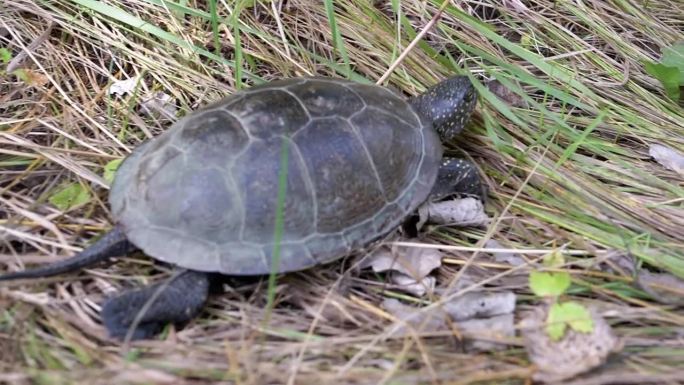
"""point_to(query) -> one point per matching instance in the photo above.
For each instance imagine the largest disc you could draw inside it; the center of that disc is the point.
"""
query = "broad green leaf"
(70, 195)
(669, 77)
(555, 327)
(562, 315)
(578, 317)
(5, 55)
(670, 70)
(549, 284)
(674, 57)
(110, 170)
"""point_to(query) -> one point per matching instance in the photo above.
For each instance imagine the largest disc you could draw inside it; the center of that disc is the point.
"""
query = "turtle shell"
(337, 163)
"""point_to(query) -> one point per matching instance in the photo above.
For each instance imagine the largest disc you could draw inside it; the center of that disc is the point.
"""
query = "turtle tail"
(112, 244)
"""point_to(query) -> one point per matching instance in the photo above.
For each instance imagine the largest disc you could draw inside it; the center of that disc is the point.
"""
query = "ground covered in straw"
(562, 134)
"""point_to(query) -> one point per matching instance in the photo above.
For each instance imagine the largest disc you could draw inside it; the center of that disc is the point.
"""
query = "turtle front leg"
(457, 177)
(171, 302)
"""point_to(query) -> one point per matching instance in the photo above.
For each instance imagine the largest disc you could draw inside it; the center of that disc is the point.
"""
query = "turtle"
(341, 163)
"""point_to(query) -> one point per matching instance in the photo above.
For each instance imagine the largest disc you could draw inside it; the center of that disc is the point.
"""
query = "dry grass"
(569, 170)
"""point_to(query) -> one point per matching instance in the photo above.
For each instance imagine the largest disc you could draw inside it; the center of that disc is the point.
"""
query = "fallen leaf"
(457, 212)
(485, 332)
(673, 56)
(663, 287)
(513, 259)
(670, 70)
(669, 77)
(415, 262)
(30, 77)
(464, 282)
(409, 284)
(434, 320)
(480, 304)
(159, 103)
(482, 333)
(409, 267)
(574, 354)
(69, 195)
(122, 87)
(110, 169)
(506, 94)
(668, 157)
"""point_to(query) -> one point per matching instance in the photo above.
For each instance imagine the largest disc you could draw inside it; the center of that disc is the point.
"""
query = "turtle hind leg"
(175, 301)
(458, 177)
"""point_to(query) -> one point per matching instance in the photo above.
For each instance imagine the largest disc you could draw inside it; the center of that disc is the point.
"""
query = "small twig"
(24, 235)
(490, 250)
(413, 43)
(281, 29)
(621, 83)
(38, 219)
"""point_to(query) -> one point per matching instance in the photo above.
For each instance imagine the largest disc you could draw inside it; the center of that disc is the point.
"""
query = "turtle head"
(448, 105)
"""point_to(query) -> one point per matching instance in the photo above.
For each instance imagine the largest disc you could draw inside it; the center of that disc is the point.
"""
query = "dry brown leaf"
(575, 353)
(31, 77)
(409, 284)
(486, 331)
(160, 103)
(496, 325)
(427, 321)
(506, 94)
(457, 212)
(663, 287)
(408, 266)
(668, 157)
(122, 87)
(481, 304)
(414, 262)
(513, 259)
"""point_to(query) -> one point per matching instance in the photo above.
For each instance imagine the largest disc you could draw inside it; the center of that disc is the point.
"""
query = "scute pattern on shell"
(204, 194)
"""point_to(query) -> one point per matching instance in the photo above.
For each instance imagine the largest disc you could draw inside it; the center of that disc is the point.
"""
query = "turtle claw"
(458, 177)
(176, 301)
